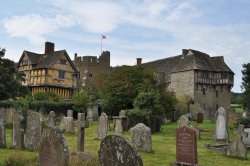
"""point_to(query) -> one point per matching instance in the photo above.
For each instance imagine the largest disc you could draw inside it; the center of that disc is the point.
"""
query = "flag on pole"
(103, 37)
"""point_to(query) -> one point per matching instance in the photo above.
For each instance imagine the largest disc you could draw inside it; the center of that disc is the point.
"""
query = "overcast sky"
(149, 29)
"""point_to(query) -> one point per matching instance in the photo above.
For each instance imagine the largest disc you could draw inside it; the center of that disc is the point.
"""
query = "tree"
(81, 100)
(245, 86)
(120, 87)
(10, 86)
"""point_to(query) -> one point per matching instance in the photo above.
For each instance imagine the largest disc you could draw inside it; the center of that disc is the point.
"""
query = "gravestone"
(3, 114)
(2, 134)
(69, 113)
(51, 119)
(221, 125)
(116, 151)
(102, 126)
(237, 148)
(33, 131)
(186, 146)
(53, 149)
(141, 137)
(69, 124)
(122, 113)
(90, 114)
(118, 126)
(199, 117)
(82, 124)
(18, 131)
(122, 123)
(62, 124)
(183, 121)
(244, 114)
(246, 137)
(95, 111)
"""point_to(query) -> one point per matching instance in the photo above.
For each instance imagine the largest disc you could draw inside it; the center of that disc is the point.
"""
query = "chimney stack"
(75, 56)
(49, 47)
(138, 61)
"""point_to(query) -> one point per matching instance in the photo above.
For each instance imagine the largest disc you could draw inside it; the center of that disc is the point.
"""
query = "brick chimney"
(49, 47)
(138, 61)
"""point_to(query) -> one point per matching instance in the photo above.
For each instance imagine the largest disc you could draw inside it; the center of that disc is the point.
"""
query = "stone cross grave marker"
(186, 146)
(2, 133)
(221, 125)
(53, 149)
(115, 150)
(182, 121)
(18, 131)
(82, 124)
(102, 126)
(51, 119)
(141, 137)
(34, 130)
(237, 148)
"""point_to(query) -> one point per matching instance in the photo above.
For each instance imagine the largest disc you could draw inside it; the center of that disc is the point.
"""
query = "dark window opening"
(217, 94)
(90, 75)
(204, 91)
(61, 74)
(63, 61)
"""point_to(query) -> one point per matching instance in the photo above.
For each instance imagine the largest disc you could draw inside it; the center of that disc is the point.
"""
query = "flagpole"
(102, 37)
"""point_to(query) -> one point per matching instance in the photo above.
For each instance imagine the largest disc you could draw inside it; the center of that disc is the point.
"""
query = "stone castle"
(204, 81)
(88, 66)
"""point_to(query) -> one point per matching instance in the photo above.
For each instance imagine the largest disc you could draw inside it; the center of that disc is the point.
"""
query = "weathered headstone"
(82, 124)
(199, 117)
(33, 130)
(53, 149)
(51, 119)
(90, 114)
(246, 137)
(69, 113)
(237, 148)
(115, 150)
(122, 113)
(62, 124)
(3, 114)
(118, 126)
(141, 137)
(2, 133)
(18, 131)
(95, 112)
(69, 124)
(221, 125)
(102, 126)
(186, 146)
(182, 121)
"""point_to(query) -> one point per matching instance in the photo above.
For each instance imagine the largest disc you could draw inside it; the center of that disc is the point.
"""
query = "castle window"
(62, 61)
(204, 91)
(61, 74)
(217, 94)
(221, 88)
(90, 75)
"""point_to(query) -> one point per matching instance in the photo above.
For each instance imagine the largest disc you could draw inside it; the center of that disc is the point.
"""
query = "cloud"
(34, 26)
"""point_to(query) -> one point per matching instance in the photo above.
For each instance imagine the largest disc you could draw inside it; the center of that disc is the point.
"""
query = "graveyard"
(163, 146)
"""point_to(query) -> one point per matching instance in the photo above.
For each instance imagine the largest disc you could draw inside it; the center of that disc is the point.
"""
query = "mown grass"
(163, 153)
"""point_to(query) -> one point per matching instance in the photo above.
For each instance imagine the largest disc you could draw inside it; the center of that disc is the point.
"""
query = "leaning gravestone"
(237, 148)
(33, 130)
(141, 137)
(116, 151)
(186, 146)
(53, 149)
(221, 125)
(182, 121)
(2, 134)
(18, 131)
(102, 126)
(51, 119)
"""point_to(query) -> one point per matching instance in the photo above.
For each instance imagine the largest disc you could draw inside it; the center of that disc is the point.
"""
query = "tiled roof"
(190, 60)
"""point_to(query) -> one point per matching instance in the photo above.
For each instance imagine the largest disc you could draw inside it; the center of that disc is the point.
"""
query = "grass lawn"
(163, 147)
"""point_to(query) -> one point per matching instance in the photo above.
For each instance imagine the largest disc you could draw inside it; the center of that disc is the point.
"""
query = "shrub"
(243, 121)
(81, 100)
(20, 160)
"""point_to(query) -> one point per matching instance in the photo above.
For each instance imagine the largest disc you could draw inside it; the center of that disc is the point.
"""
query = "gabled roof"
(189, 60)
(45, 60)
